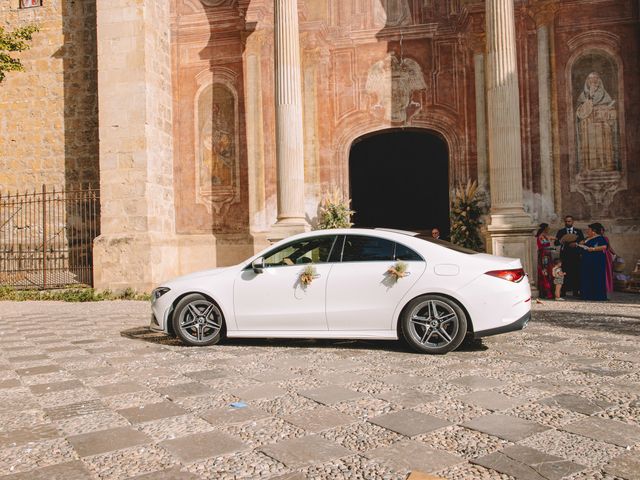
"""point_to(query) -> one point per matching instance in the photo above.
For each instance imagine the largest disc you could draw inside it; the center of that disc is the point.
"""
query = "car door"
(361, 294)
(277, 299)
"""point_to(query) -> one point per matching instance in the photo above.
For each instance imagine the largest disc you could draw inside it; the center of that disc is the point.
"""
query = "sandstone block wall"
(49, 120)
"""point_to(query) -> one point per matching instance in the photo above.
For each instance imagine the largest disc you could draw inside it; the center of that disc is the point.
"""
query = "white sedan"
(350, 283)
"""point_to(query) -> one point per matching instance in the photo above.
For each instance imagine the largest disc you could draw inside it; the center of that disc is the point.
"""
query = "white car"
(350, 283)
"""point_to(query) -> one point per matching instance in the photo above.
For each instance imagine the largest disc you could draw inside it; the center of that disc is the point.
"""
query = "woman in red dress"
(544, 243)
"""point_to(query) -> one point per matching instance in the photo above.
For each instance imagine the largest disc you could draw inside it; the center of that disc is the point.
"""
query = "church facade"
(215, 126)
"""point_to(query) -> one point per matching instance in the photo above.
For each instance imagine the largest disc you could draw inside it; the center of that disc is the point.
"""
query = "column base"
(513, 236)
(286, 228)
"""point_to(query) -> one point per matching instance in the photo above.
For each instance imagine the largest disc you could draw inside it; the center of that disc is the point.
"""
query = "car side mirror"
(258, 265)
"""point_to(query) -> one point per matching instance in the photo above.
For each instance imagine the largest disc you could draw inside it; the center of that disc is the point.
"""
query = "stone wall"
(49, 122)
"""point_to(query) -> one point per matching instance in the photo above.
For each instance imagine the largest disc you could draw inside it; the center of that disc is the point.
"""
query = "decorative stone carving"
(596, 167)
(391, 83)
(217, 166)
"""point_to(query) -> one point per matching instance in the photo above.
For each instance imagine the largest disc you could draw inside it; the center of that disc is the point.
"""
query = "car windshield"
(445, 244)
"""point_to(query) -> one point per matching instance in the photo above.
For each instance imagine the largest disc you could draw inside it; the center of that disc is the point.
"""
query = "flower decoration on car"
(307, 275)
(398, 270)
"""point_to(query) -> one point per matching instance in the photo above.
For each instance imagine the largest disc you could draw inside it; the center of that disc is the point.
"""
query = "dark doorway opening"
(400, 179)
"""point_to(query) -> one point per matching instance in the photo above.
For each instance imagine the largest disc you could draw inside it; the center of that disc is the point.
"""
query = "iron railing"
(46, 238)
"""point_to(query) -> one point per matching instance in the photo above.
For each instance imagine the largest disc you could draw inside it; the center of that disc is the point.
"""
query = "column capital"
(543, 12)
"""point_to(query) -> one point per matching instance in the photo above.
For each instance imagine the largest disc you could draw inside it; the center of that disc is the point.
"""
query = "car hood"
(195, 275)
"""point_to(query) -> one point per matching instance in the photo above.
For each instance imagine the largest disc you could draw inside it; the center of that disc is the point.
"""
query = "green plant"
(70, 295)
(15, 41)
(334, 211)
(466, 213)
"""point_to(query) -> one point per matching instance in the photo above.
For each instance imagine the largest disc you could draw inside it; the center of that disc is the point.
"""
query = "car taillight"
(514, 275)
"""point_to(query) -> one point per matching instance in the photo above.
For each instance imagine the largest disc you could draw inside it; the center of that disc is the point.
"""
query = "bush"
(70, 295)
(334, 211)
(466, 213)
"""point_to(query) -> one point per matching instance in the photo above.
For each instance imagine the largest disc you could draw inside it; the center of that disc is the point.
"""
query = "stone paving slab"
(202, 445)
(409, 422)
(151, 411)
(102, 441)
(526, 463)
(62, 471)
(606, 430)
(576, 403)
(625, 466)
(56, 396)
(331, 394)
(505, 426)
(299, 452)
(412, 455)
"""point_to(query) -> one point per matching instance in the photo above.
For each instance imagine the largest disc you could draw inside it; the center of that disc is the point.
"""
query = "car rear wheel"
(433, 324)
(198, 321)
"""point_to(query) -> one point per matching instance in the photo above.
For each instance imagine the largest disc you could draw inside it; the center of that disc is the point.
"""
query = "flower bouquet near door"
(398, 270)
(307, 275)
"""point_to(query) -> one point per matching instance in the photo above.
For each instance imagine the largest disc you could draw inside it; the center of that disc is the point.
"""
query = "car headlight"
(158, 292)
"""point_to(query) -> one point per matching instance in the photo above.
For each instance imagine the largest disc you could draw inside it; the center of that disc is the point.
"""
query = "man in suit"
(571, 254)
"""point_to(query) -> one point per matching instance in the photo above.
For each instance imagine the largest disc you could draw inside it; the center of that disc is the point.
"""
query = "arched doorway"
(400, 179)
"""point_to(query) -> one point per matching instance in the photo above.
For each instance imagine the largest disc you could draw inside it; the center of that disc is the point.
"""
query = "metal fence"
(46, 238)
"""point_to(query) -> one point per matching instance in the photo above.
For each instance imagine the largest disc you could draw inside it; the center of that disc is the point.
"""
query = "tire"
(197, 321)
(429, 332)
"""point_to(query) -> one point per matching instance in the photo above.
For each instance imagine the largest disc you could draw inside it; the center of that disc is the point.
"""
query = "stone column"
(511, 229)
(137, 246)
(289, 137)
(477, 43)
(543, 13)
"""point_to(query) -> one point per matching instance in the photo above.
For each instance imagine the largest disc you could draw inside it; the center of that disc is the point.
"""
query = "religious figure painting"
(216, 155)
(596, 116)
(392, 13)
(392, 84)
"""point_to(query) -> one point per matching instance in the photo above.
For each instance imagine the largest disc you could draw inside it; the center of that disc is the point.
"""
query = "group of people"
(584, 265)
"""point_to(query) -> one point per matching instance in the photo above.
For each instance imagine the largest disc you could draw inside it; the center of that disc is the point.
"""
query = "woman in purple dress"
(593, 285)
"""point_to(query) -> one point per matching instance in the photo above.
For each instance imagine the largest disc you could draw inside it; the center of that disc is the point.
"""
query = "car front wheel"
(433, 324)
(198, 321)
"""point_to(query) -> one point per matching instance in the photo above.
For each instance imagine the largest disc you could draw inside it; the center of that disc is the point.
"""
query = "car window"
(360, 248)
(444, 243)
(309, 250)
(406, 254)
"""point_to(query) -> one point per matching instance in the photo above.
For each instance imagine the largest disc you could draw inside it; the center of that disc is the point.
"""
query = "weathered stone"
(505, 426)
(299, 452)
(526, 463)
(605, 430)
(409, 422)
(625, 466)
(202, 445)
(412, 455)
(331, 394)
(318, 419)
(102, 441)
(151, 411)
(576, 403)
(490, 400)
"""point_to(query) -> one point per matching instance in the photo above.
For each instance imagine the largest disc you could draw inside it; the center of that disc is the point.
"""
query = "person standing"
(593, 285)
(435, 233)
(609, 255)
(545, 260)
(569, 238)
(558, 278)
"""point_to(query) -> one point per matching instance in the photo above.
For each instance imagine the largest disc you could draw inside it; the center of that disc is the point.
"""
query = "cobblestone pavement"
(86, 391)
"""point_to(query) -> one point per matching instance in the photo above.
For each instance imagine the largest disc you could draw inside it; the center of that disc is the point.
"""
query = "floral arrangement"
(307, 275)
(398, 270)
(466, 212)
(334, 211)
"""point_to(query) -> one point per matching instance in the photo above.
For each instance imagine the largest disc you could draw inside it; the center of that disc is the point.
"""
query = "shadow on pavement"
(146, 335)
(607, 323)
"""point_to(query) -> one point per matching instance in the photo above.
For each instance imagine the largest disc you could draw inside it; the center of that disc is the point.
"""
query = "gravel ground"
(565, 390)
